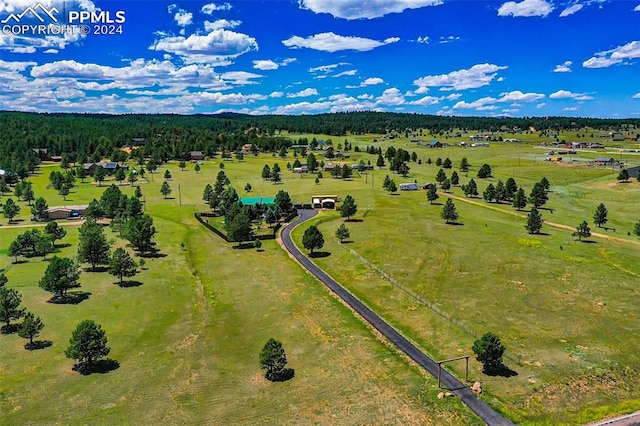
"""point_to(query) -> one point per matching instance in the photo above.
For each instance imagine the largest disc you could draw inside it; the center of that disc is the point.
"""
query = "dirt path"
(546, 222)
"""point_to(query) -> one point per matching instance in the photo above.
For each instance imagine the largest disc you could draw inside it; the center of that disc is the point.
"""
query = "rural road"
(486, 413)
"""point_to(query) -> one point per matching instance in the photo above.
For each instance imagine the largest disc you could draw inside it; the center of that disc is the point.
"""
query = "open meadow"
(187, 339)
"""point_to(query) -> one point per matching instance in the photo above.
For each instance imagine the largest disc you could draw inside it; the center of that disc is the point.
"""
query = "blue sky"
(446, 57)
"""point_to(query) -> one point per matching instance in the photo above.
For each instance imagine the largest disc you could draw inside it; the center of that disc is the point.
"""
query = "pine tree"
(600, 215)
(520, 199)
(449, 213)
(582, 231)
(534, 221)
(432, 194)
(30, 328)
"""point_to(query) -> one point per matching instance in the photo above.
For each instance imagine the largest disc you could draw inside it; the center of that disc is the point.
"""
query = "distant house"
(604, 161)
(595, 145)
(428, 185)
(330, 166)
(110, 167)
(480, 144)
(66, 212)
(412, 186)
(42, 153)
(196, 156)
(246, 148)
(511, 140)
(435, 144)
(56, 158)
(324, 202)
(302, 169)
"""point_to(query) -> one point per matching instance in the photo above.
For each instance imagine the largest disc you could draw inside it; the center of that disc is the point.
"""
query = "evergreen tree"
(93, 246)
(449, 213)
(520, 199)
(489, 351)
(10, 209)
(165, 189)
(139, 231)
(88, 344)
(312, 239)
(10, 301)
(470, 189)
(485, 171)
(432, 194)
(510, 189)
(30, 328)
(55, 231)
(489, 194)
(439, 162)
(122, 265)
(636, 229)
(534, 221)
(441, 176)
(392, 188)
(273, 360)
(39, 209)
(464, 164)
(247, 187)
(446, 185)
(600, 215)
(167, 174)
(582, 231)
(538, 196)
(132, 177)
(342, 232)
(60, 276)
(197, 168)
(348, 207)
(182, 164)
(455, 179)
(446, 164)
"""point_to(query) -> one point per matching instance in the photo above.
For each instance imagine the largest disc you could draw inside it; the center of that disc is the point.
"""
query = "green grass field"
(188, 339)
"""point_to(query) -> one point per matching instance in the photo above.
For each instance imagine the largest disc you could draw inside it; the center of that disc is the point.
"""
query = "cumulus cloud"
(391, 96)
(487, 103)
(183, 18)
(357, 9)
(371, 81)
(526, 8)
(424, 40)
(565, 94)
(564, 67)
(637, 8)
(208, 9)
(570, 109)
(220, 24)
(477, 76)
(541, 105)
(570, 10)
(303, 93)
(265, 65)
(330, 42)
(276, 94)
(636, 96)
(615, 56)
(218, 47)
(239, 78)
(518, 96)
(449, 39)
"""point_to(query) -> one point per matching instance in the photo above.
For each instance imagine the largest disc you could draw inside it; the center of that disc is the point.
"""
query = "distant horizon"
(484, 58)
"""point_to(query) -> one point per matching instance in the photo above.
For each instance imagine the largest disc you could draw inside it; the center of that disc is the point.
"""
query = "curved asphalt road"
(485, 412)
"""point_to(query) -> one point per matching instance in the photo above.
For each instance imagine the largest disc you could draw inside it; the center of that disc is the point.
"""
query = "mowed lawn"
(187, 339)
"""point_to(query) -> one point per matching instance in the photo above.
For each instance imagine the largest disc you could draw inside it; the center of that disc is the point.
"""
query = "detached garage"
(326, 202)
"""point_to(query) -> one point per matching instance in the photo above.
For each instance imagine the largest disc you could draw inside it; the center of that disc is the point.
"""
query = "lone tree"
(55, 231)
(10, 209)
(432, 194)
(392, 188)
(348, 207)
(464, 164)
(342, 232)
(485, 171)
(10, 300)
(165, 189)
(312, 239)
(30, 328)
(600, 216)
(167, 174)
(122, 265)
(39, 209)
(534, 221)
(446, 164)
(197, 168)
(247, 187)
(273, 360)
(582, 231)
(182, 164)
(449, 213)
(489, 351)
(61, 275)
(88, 344)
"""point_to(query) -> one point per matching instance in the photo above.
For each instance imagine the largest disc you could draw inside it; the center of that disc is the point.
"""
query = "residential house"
(196, 156)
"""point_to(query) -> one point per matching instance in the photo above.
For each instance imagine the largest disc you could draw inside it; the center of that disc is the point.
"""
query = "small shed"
(411, 186)
(435, 144)
(604, 161)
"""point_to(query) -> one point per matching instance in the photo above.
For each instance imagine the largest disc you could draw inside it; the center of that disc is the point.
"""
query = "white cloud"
(525, 8)
(367, 96)
(330, 42)
(183, 18)
(391, 96)
(276, 94)
(302, 108)
(287, 61)
(327, 68)
(427, 100)
(371, 81)
(219, 47)
(239, 78)
(570, 10)
(570, 109)
(637, 8)
(637, 95)
(424, 40)
(208, 9)
(565, 94)
(541, 105)
(357, 9)
(477, 76)
(611, 57)
(346, 73)
(518, 96)
(220, 24)
(564, 67)
(477, 104)
(303, 93)
(52, 51)
(265, 65)
(449, 39)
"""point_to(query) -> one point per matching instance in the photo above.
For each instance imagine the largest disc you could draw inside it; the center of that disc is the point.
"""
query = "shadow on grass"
(319, 254)
(38, 344)
(435, 204)
(101, 367)
(354, 220)
(544, 234)
(9, 329)
(19, 262)
(283, 376)
(72, 298)
(502, 371)
(97, 269)
(587, 241)
(455, 223)
(63, 245)
(129, 283)
(152, 254)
